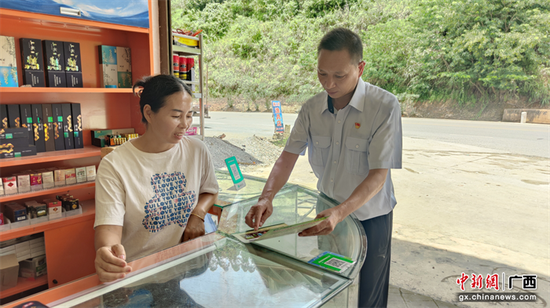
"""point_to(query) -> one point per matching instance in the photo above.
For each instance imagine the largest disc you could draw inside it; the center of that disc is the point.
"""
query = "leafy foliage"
(466, 50)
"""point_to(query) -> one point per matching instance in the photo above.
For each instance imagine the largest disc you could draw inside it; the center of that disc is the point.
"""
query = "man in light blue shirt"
(353, 134)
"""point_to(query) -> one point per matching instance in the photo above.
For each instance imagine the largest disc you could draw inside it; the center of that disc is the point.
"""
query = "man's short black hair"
(340, 39)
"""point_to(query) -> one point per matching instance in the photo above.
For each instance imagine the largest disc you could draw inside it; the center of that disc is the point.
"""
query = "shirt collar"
(356, 100)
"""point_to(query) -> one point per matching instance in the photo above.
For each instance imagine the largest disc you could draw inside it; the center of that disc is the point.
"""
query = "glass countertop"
(228, 194)
(294, 204)
(225, 274)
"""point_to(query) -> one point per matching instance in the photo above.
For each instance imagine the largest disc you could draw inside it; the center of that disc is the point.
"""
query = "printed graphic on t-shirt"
(171, 203)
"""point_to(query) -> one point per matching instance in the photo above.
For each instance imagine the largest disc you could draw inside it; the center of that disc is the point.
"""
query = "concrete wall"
(541, 116)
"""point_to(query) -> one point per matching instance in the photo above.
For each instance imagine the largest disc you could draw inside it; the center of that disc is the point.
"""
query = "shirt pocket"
(357, 155)
(321, 147)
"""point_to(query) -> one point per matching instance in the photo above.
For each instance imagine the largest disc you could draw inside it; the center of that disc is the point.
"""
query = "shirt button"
(317, 142)
(331, 180)
(337, 143)
(339, 121)
(334, 162)
(356, 146)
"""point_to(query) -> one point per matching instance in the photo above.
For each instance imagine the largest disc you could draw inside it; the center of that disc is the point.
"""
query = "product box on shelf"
(38, 127)
(47, 118)
(13, 133)
(70, 176)
(48, 180)
(99, 136)
(90, 173)
(26, 121)
(34, 78)
(77, 125)
(74, 79)
(36, 181)
(54, 208)
(23, 183)
(16, 147)
(14, 116)
(67, 126)
(1, 216)
(9, 269)
(36, 209)
(4, 122)
(58, 132)
(73, 68)
(176, 65)
(8, 62)
(124, 67)
(108, 66)
(10, 185)
(54, 61)
(80, 174)
(59, 177)
(33, 268)
(32, 60)
(183, 68)
(15, 212)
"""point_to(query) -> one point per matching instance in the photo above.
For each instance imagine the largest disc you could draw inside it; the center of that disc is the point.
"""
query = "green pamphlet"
(235, 172)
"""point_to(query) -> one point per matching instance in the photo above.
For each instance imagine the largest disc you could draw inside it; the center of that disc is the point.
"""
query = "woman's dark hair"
(340, 39)
(155, 90)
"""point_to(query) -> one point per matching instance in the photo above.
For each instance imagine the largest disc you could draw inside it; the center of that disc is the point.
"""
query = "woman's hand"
(194, 228)
(110, 263)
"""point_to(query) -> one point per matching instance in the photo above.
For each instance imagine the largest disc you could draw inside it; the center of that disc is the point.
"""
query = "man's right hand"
(110, 263)
(259, 213)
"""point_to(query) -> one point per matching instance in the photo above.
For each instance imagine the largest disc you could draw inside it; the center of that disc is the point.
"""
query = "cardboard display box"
(9, 269)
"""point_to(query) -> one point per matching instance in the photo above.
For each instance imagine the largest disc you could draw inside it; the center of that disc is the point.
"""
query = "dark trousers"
(375, 274)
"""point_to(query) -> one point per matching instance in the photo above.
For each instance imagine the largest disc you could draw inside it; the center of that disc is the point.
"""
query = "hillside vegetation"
(469, 52)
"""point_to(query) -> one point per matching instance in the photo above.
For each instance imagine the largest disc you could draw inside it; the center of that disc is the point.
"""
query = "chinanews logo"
(493, 287)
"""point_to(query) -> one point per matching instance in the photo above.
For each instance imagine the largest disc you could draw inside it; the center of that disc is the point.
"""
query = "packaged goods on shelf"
(68, 135)
(36, 181)
(32, 62)
(10, 185)
(58, 130)
(47, 118)
(70, 176)
(14, 116)
(73, 66)
(54, 63)
(108, 66)
(36, 210)
(124, 67)
(54, 208)
(26, 121)
(59, 177)
(33, 268)
(183, 68)
(13, 133)
(48, 180)
(23, 183)
(90, 173)
(176, 65)
(4, 117)
(77, 125)
(102, 138)
(8, 62)
(15, 212)
(38, 127)
(80, 174)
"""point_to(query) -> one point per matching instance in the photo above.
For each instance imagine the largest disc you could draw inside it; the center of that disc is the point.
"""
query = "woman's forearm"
(204, 203)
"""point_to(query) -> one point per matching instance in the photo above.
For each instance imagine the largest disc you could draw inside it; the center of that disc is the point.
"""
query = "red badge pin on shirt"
(357, 125)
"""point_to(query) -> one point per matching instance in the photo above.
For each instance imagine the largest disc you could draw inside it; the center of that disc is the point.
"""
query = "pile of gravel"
(249, 151)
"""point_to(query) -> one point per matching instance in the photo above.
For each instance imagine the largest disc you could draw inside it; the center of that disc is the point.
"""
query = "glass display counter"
(216, 270)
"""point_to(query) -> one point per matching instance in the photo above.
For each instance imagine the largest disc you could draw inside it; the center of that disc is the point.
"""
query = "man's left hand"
(327, 225)
(194, 228)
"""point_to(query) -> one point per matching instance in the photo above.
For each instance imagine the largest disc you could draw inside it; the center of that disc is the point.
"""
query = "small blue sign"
(277, 116)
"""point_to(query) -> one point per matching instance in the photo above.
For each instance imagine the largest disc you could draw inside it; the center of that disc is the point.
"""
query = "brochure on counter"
(276, 231)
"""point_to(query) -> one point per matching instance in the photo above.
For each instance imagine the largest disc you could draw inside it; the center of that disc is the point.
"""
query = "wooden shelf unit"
(44, 192)
(198, 53)
(24, 284)
(69, 241)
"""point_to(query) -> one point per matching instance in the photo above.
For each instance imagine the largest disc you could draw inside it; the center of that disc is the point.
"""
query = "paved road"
(515, 138)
